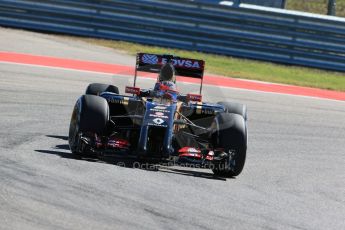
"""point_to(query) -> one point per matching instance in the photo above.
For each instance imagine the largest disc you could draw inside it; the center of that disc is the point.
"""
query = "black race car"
(161, 124)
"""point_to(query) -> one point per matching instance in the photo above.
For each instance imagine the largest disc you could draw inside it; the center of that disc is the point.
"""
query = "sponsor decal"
(160, 108)
(207, 111)
(194, 97)
(132, 90)
(193, 150)
(153, 59)
(152, 124)
(160, 116)
(183, 63)
(158, 121)
(116, 100)
(189, 150)
(149, 59)
(159, 113)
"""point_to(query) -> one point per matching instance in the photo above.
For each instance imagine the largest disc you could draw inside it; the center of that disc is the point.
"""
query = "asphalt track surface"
(293, 178)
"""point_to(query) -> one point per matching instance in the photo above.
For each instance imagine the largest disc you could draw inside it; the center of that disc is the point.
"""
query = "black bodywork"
(147, 125)
(160, 130)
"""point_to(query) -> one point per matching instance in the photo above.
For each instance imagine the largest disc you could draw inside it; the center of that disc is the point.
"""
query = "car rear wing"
(185, 67)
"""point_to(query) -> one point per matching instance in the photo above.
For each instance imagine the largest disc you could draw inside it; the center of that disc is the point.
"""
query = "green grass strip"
(242, 68)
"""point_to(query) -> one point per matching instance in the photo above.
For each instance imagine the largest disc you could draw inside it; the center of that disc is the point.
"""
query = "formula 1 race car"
(161, 124)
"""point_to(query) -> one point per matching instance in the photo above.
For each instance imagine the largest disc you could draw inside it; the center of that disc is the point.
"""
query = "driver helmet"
(167, 73)
(166, 77)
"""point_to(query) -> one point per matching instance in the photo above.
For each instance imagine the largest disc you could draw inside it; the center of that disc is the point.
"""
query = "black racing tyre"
(237, 108)
(90, 115)
(98, 88)
(229, 133)
(233, 107)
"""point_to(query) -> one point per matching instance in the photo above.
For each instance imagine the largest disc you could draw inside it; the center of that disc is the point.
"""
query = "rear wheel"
(98, 88)
(230, 135)
(90, 115)
(233, 107)
(237, 108)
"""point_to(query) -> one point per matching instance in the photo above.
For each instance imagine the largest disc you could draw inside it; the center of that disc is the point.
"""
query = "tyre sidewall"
(90, 115)
(98, 88)
(230, 134)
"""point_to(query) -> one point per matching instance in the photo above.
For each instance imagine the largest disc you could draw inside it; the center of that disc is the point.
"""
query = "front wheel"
(230, 135)
(90, 115)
